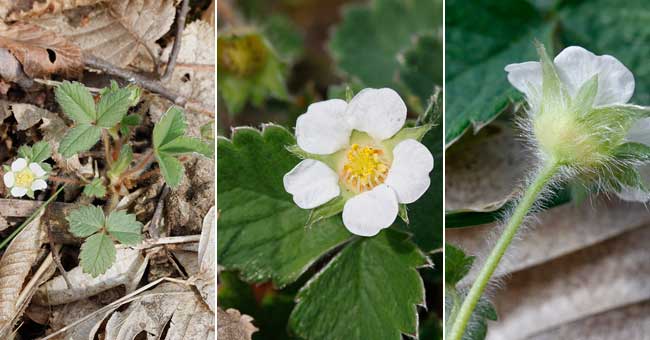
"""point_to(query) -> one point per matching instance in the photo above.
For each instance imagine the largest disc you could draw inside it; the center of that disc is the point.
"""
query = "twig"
(180, 26)
(57, 260)
(168, 240)
(154, 228)
(146, 83)
(146, 159)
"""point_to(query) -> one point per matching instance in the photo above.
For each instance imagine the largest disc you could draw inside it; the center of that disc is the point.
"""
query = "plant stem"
(30, 218)
(524, 206)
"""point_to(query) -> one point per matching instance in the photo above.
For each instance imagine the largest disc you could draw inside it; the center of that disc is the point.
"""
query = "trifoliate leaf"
(124, 227)
(97, 254)
(80, 138)
(122, 163)
(457, 265)
(171, 125)
(86, 220)
(183, 145)
(76, 102)
(112, 107)
(261, 230)
(371, 37)
(482, 37)
(376, 275)
(95, 189)
(171, 169)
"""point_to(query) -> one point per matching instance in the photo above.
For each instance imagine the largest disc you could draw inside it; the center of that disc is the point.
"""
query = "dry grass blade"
(15, 265)
(41, 52)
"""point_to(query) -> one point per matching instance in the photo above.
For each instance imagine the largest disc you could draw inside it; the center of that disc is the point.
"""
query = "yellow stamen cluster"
(24, 178)
(365, 168)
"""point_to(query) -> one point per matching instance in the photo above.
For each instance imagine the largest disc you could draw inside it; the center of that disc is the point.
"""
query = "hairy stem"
(524, 206)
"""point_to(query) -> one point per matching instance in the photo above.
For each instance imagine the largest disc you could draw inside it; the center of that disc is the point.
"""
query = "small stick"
(180, 26)
(146, 83)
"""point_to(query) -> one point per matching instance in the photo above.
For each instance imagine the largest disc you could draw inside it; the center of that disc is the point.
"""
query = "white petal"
(527, 78)
(39, 184)
(18, 191)
(378, 112)
(18, 165)
(312, 183)
(575, 66)
(640, 132)
(322, 129)
(37, 170)
(368, 213)
(9, 179)
(409, 173)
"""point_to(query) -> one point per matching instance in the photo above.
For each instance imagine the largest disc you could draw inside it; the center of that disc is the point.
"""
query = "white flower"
(579, 112)
(24, 179)
(357, 153)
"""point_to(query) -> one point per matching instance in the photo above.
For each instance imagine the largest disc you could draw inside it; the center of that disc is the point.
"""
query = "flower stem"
(524, 206)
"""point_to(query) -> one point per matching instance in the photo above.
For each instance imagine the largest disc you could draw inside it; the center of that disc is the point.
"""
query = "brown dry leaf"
(25, 9)
(67, 314)
(126, 271)
(206, 277)
(41, 52)
(15, 265)
(169, 305)
(191, 77)
(115, 30)
(232, 325)
(597, 279)
(482, 171)
(12, 71)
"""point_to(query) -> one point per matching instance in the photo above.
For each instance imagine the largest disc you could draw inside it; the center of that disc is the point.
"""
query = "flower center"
(24, 178)
(365, 168)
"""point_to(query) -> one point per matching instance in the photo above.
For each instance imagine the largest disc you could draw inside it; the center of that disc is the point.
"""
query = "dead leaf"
(28, 115)
(12, 71)
(169, 306)
(603, 277)
(41, 52)
(232, 325)
(115, 30)
(66, 314)
(127, 271)
(206, 276)
(482, 171)
(22, 10)
(15, 265)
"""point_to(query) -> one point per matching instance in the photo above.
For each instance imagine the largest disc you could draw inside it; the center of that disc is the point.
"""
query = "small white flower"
(24, 179)
(578, 106)
(359, 157)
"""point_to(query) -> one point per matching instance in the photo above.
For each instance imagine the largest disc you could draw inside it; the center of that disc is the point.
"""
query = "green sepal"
(403, 213)
(329, 209)
(416, 133)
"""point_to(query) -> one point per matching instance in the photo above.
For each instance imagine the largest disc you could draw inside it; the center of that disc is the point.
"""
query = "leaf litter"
(163, 286)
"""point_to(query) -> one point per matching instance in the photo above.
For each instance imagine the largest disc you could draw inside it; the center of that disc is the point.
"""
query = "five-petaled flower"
(359, 157)
(24, 178)
(578, 113)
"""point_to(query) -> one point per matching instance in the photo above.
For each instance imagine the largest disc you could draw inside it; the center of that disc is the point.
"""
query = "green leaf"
(171, 168)
(171, 126)
(261, 230)
(457, 265)
(97, 254)
(207, 131)
(80, 138)
(374, 275)
(95, 189)
(40, 152)
(25, 151)
(85, 221)
(124, 227)
(112, 107)
(367, 42)
(122, 163)
(76, 102)
(482, 37)
(182, 145)
(131, 120)
(421, 67)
